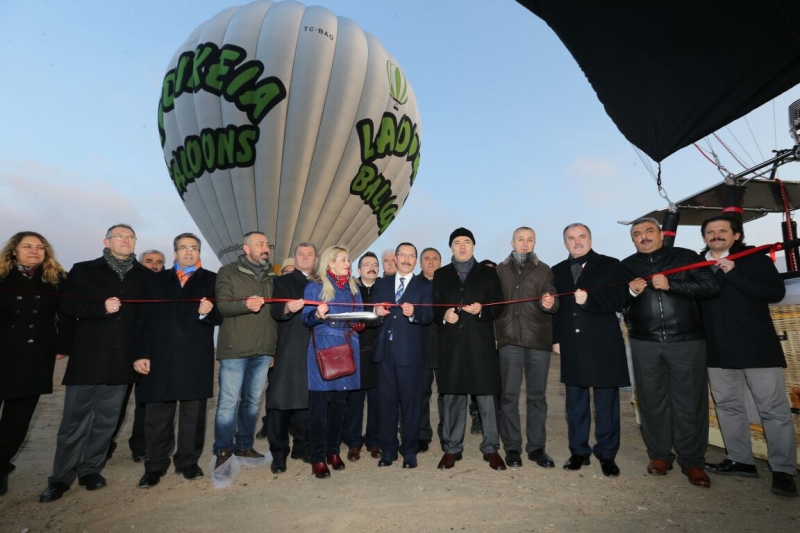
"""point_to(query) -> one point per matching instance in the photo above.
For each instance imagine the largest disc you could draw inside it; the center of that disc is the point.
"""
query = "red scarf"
(340, 281)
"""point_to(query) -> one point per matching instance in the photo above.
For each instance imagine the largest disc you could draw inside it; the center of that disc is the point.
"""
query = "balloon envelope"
(291, 121)
(670, 73)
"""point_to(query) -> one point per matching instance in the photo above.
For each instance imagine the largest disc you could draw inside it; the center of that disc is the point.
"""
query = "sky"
(512, 132)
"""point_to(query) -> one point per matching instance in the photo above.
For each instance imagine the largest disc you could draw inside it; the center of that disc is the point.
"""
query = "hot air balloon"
(292, 121)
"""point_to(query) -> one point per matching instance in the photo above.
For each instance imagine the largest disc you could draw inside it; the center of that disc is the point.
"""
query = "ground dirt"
(363, 497)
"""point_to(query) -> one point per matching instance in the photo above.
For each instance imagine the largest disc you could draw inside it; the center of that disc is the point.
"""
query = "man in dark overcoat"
(174, 353)
(587, 334)
(99, 368)
(431, 261)
(354, 434)
(468, 362)
(744, 353)
(287, 386)
(399, 352)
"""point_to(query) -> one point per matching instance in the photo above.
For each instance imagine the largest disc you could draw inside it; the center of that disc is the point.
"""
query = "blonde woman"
(30, 286)
(337, 292)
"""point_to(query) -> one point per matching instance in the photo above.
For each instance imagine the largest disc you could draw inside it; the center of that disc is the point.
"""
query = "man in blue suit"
(399, 352)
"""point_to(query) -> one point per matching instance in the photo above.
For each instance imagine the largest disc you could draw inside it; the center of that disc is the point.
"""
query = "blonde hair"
(52, 271)
(325, 260)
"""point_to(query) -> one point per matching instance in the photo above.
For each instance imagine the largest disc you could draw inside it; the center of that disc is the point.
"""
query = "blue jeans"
(241, 382)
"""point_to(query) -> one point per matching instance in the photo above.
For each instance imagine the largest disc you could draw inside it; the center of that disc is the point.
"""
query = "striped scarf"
(185, 273)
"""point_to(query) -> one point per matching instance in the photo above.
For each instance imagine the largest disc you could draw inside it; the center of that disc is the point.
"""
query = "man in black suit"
(287, 386)
(468, 361)
(587, 334)
(99, 370)
(400, 355)
(174, 353)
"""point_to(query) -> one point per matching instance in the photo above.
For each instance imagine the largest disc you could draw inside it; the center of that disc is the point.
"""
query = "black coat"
(366, 342)
(287, 386)
(29, 335)
(101, 348)
(468, 360)
(178, 343)
(590, 337)
(739, 329)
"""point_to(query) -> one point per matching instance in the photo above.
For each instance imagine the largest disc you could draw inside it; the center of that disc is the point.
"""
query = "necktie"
(577, 268)
(399, 293)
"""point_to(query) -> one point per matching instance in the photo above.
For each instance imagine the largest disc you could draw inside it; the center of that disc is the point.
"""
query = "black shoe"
(477, 426)
(111, 448)
(3, 484)
(150, 479)
(190, 472)
(783, 484)
(609, 467)
(541, 458)
(278, 465)
(513, 458)
(732, 468)
(139, 457)
(302, 456)
(575, 462)
(410, 461)
(53, 492)
(92, 481)
(262, 433)
(387, 460)
(424, 446)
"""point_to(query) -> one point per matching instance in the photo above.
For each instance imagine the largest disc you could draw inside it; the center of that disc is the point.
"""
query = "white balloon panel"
(288, 120)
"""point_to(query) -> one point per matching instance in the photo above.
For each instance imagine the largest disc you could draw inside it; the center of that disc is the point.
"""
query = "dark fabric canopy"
(671, 72)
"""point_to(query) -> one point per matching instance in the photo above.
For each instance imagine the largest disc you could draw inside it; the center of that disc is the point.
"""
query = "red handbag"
(335, 362)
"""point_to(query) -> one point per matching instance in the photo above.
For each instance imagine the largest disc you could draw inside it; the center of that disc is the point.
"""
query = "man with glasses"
(174, 353)
(399, 352)
(99, 369)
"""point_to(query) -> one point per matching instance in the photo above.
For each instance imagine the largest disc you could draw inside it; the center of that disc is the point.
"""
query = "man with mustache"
(245, 346)
(669, 351)
(744, 353)
(399, 352)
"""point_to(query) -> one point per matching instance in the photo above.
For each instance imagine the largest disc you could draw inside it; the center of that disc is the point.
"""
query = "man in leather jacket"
(669, 351)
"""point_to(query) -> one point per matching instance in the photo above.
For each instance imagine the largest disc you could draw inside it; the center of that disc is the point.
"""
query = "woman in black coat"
(30, 287)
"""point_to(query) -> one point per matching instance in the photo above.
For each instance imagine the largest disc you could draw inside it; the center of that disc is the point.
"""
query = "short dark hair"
(186, 236)
(736, 227)
(431, 249)
(488, 263)
(405, 244)
(367, 254)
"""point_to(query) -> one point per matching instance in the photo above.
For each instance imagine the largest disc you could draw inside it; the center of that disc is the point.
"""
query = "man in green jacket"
(245, 347)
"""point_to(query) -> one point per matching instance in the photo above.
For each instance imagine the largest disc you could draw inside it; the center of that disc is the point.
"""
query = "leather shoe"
(53, 492)
(375, 452)
(262, 433)
(609, 467)
(732, 468)
(92, 481)
(575, 462)
(354, 454)
(697, 476)
(249, 454)
(410, 461)
(783, 484)
(222, 457)
(513, 458)
(335, 460)
(541, 458)
(494, 460)
(387, 460)
(301, 455)
(423, 446)
(278, 465)
(449, 460)
(320, 470)
(657, 467)
(190, 472)
(150, 479)
(139, 457)
(4, 482)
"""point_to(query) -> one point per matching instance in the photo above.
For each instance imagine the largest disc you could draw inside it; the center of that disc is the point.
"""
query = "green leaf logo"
(398, 86)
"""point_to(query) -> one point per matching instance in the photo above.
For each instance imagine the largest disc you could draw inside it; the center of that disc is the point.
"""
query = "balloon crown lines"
(768, 248)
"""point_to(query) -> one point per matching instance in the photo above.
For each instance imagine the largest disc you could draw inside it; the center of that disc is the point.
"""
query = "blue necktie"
(399, 293)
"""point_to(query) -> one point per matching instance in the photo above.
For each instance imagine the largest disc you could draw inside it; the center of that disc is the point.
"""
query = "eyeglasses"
(124, 237)
(185, 248)
(409, 256)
